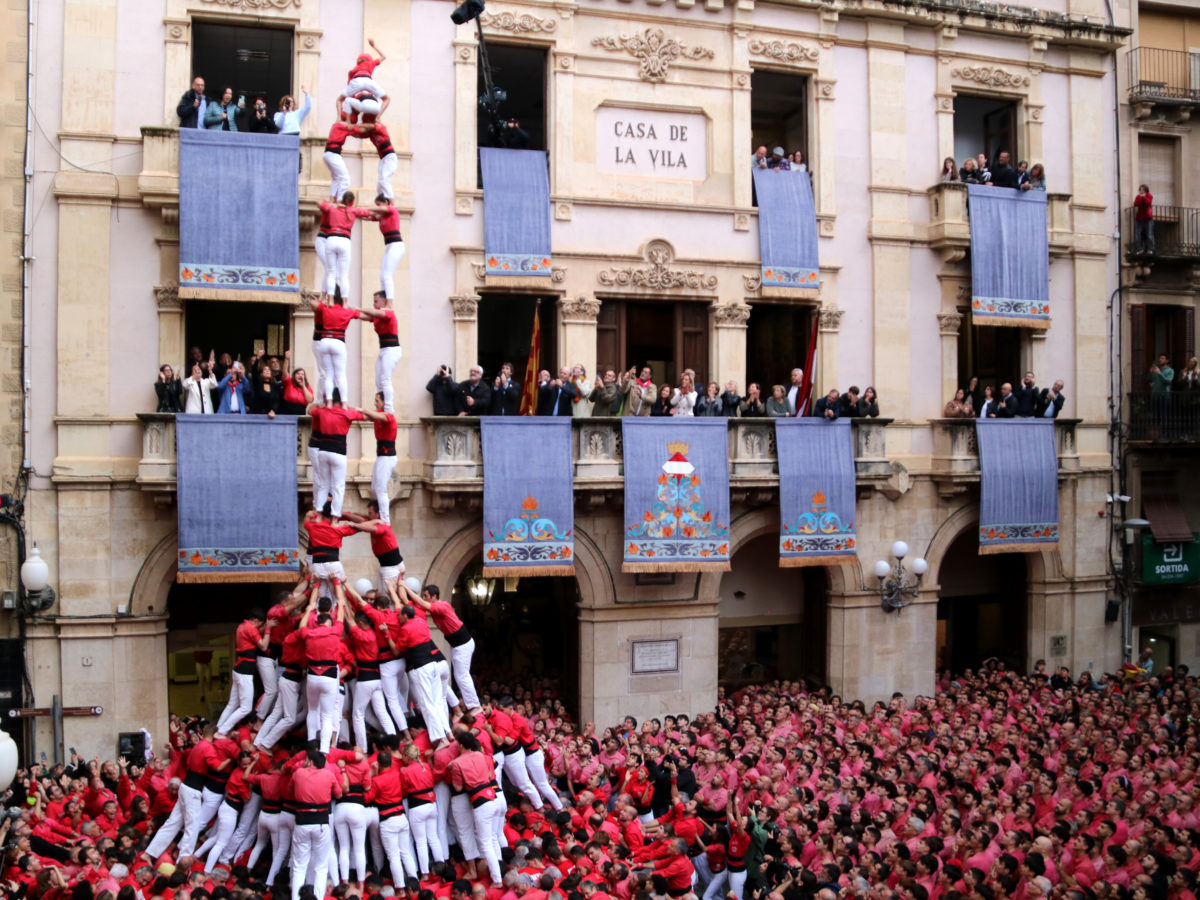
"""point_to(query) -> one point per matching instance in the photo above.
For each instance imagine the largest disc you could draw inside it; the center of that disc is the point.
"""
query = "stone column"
(466, 332)
(825, 151)
(740, 113)
(308, 74)
(172, 346)
(729, 340)
(178, 65)
(465, 138)
(949, 324)
(829, 322)
(577, 325)
(946, 36)
(903, 646)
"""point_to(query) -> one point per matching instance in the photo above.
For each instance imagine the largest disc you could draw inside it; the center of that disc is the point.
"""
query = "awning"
(1160, 504)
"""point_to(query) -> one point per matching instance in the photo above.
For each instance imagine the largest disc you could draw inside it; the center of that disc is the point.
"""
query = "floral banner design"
(1010, 257)
(221, 461)
(676, 495)
(816, 491)
(518, 264)
(516, 212)
(528, 496)
(1018, 490)
(193, 275)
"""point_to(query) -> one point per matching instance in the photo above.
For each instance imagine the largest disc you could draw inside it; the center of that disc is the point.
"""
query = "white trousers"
(227, 819)
(323, 698)
(489, 823)
(460, 657)
(325, 572)
(268, 836)
(319, 247)
(380, 476)
(210, 801)
(337, 265)
(387, 168)
(394, 678)
(392, 254)
(441, 793)
(518, 775)
(423, 821)
(331, 359)
(384, 364)
(368, 106)
(282, 717)
(716, 888)
(320, 491)
(535, 765)
(241, 701)
(350, 825)
(339, 175)
(397, 847)
(389, 574)
(247, 829)
(443, 668)
(369, 693)
(186, 810)
(464, 826)
(333, 478)
(310, 842)
(426, 687)
(268, 673)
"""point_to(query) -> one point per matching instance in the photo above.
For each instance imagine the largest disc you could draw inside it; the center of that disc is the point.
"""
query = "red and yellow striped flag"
(529, 391)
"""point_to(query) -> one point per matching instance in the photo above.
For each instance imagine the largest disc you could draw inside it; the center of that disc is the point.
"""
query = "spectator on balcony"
(1161, 375)
(260, 121)
(969, 174)
(987, 403)
(868, 406)
(474, 397)
(192, 105)
(793, 391)
(848, 403)
(1189, 378)
(949, 169)
(297, 395)
(1022, 173)
(797, 161)
(730, 400)
(974, 393)
(445, 392)
(1027, 397)
(1003, 174)
(198, 388)
(289, 119)
(606, 396)
(710, 404)
(753, 407)
(758, 161)
(1005, 406)
(777, 403)
(224, 116)
(580, 405)
(266, 394)
(234, 390)
(638, 390)
(1143, 220)
(827, 406)
(684, 397)
(778, 161)
(169, 391)
(1036, 179)
(959, 407)
(981, 166)
(1050, 401)
(506, 393)
(556, 394)
(662, 406)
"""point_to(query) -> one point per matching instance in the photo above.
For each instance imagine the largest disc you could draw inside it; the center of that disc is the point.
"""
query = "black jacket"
(730, 403)
(506, 401)
(822, 405)
(1044, 401)
(170, 396)
(252, 123)
(1026, 398)
(846, 407)
(1006, 407)
(186, 111)
(482, 395)
(1004, 176)
(445, 395)
(706, 406)
(548, 397)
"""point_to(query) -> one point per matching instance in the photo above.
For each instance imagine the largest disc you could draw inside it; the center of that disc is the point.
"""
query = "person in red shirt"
(424, 681)
(363, 94)
(314, 786)
(462, 645)
(377, 134)
(297, 392)
(386, 794)
(388, 218)
(385, 547)
(338, 174)
(677, 868)
(417, 777)
(335, 425)
(385, 464)
(368, 689)
(322, 645)
(389, 345)
(474, 774)
(325, 546)
(350, 818)
(336, 316)
(249, 641)
(283, 715)
(237, 792)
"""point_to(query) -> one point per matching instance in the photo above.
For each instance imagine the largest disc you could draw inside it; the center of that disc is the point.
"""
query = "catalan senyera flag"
(529, 390)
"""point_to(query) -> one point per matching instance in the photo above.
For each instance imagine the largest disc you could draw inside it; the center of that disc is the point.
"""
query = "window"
(991, 353)
(521, 73)
(236, 327)
(1158, 167)
(667, 337)
(1155, 329)
(985, 125)
(505, 328)
(254, 61)
(777, 337)
(779, 112)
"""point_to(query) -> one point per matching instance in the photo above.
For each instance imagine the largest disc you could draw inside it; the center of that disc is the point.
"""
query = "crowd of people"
(975, 170)
(997, 787)
(1027, 401)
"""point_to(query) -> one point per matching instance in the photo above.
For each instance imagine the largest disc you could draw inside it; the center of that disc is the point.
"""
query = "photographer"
(506, 394)
(445, 392)
(199, 385)
(261, 121)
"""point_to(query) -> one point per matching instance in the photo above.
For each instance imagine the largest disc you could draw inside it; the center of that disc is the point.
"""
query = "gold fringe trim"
(795, 562)
(991, 549)
(234, 577)
(528, 571)
(193, 292)
(689, 566)
(1015, 321)
(791, 293)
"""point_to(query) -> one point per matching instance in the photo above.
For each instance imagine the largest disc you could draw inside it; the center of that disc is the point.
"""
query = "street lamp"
(895, 590)
(8, 758)
(35, 576)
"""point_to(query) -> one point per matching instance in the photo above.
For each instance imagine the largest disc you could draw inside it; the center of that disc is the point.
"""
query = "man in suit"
(606, 396)
(827, 406)
(639, 392)
(555, 396)
(192, 106)
(506, 393)
(1004, 407)
(474, 397)
(1026, 396)
(1050, 403)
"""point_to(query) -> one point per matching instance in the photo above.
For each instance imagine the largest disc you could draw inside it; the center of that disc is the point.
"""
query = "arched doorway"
(982, 605)
(773, 621)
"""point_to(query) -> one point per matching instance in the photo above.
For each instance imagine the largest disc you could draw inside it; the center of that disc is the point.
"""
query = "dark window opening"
(505, 331)
(1155, 329)
(991, 353)
(667, 337)
(236, 328)
(779, 113)
(254, 61)
(521, 73)
(986, 125)
(777, 337)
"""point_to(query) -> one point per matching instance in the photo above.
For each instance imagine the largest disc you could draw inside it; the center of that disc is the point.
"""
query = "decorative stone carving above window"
(518, 23)
(653, 50)
(167, 295)
(752, 283)
(781, 52)
(659, 275)
(991, 76)
(466, 307)
(243, 5)
(308, 301)
(731, 316)
(949, 323)
(829, 318)
(579, 309)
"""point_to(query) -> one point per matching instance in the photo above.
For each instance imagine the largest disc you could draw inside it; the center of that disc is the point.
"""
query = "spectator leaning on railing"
(169, 391)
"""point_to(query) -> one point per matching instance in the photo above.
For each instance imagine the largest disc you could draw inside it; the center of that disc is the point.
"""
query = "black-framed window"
(254, 60)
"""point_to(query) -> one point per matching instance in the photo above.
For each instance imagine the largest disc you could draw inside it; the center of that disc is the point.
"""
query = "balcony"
(950, 223)
(1176, 235)
(955, 463)
(1170, 418)
(1163, 78)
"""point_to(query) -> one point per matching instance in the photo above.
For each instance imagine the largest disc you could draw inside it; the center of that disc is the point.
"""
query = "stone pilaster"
(729, 342)
(949, 326)
(577, 325)
(829, 323)
(466, 332)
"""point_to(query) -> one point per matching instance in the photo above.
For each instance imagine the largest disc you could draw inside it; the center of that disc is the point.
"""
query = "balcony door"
(254, 60)
(1155, 329)
(666, 336)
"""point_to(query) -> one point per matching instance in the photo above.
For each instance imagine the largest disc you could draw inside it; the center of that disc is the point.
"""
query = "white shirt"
(198, 399)
(792, 394)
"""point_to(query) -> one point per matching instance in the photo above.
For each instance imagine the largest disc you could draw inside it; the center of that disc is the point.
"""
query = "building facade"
(656, 258)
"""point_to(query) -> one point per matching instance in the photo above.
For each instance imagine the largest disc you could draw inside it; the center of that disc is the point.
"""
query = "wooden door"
(691, 341)
(1000, 133)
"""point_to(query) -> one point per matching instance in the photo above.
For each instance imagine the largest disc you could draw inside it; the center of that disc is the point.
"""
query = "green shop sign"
(1176, 563)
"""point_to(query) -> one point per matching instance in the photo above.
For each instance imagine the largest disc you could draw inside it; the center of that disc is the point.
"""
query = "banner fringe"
(990, 549)
(795, 562)
(234, 577)
(1013, 321)
(528, 571)
(195, 292)
(675, 566)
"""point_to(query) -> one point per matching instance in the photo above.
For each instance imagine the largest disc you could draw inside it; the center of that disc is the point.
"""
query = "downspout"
(27, 244)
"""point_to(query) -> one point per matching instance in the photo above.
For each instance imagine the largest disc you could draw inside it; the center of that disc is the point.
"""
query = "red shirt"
(444, 617)
(335, 420)
(416, 643)
(475, 774)
(293, 650)
(325, 534)
(364, 67)
(324, 229)
(381, 139)
(389, 224)
(341, 220)
(323, 642)
(385, 437)
(383, 539)
(335, 318)
(385, 326)
(293, 393)
(365, 644)
(387, 793)
(389, 617)
(337, 138)
(418, 779)
(315, 786)
(246, 639)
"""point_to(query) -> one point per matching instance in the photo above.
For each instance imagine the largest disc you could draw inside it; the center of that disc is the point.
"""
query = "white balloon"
(8, 758)
(362, 586)
(414, 583)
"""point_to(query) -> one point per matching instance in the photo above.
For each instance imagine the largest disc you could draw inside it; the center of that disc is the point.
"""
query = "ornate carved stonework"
(243, 5)
(788, 53)
(829, 318)
(991, 76)
(466, 306)
(653, 50)
(518, 23)
(658, 276)
(579, 308)
(558, 274)
(167, 295)
(752, 283)
(308, 299)
(949, 323)
(733, 316)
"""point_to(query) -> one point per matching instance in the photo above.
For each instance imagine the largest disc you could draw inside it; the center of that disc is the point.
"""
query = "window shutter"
(1137, 347)
(1157, 168)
